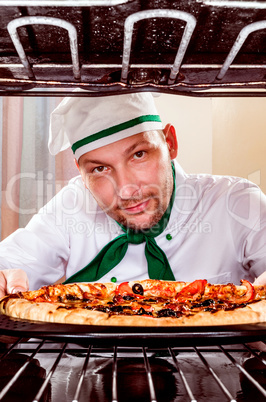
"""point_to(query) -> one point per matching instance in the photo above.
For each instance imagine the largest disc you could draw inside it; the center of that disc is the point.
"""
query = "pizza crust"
(56, 313)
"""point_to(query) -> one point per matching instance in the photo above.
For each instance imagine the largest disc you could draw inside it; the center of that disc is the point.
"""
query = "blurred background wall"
(224, 136)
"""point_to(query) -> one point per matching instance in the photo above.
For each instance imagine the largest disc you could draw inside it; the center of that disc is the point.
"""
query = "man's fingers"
(2, 284)
(12, 281)
(260, 280)
(16, 281)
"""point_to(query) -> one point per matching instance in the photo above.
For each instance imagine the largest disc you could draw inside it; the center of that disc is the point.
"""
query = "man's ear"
(76, 163)
(171, 140)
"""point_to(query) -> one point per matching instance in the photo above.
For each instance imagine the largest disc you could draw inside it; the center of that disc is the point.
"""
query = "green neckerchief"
(115, 250)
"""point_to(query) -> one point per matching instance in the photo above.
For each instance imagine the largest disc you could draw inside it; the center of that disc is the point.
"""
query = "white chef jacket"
(217, 231)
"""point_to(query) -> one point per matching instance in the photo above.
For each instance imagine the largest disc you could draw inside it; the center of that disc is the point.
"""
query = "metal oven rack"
(199, 47)
(81, 373)
(48, 362)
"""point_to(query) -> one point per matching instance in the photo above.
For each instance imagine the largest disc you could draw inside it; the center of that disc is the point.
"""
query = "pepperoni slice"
(124, 289)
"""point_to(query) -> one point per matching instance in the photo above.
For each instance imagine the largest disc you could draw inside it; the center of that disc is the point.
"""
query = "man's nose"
(127, 186)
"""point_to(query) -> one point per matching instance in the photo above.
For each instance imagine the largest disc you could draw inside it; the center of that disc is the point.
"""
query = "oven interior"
(192, 47)
(41, 370)
(187, 47)
(50, 362)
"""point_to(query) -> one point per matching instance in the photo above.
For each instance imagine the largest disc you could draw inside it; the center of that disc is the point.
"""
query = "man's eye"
(139, 154)
(99, 169)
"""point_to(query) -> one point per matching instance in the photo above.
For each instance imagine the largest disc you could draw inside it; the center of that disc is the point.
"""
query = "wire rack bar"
(147, 14)
(255, 354)
(249, 377)
(61, 3)
(114, 378)
(40, 20)
(5, 390)
(259, 5)
(255, 26)
(82, 375)
(10, 349)
(183, 378)
(51, 372)
(215, 376)
(149, 376)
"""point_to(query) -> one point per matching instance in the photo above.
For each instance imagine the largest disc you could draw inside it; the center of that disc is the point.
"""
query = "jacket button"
(113, 279)
(168, 237)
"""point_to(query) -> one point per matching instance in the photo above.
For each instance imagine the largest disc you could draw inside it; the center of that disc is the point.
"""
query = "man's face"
(131, 179)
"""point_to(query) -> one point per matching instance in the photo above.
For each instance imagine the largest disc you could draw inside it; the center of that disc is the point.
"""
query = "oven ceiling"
(190, 47)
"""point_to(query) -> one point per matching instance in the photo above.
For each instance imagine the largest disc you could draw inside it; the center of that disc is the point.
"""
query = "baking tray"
(133, 336)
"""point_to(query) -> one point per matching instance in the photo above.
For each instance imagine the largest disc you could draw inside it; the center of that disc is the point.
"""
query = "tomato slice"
(250, 293)
(124, 289)
(41, 299)
(194, 288)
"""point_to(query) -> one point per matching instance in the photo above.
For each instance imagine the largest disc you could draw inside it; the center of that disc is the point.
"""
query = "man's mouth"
(136, 208)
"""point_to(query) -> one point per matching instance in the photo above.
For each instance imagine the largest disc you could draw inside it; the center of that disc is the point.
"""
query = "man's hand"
(12, 281)
(260, 280)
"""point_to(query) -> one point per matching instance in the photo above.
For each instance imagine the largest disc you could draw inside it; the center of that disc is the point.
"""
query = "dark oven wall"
(194, 47)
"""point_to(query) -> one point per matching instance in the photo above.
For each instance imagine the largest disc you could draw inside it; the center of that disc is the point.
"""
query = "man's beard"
(154, 219)
(155, 215)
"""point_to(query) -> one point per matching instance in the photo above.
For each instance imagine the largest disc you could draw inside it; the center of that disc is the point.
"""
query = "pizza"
(141, 303)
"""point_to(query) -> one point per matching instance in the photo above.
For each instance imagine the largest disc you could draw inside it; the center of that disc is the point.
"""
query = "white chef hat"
(88, 123)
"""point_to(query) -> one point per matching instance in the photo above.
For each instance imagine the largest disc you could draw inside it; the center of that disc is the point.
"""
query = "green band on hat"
(115, 129)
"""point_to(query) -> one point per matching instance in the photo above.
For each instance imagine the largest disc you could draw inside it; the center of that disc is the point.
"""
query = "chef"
(132, 212)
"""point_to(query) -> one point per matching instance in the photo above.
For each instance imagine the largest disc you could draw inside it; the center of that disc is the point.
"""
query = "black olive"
(167, 312)
(65, 307)
(205, 303)
(128, 298)
(151, 300)
(116, 309)
(71, 297)
(137, 289)
(101, 308)
(142, 311)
